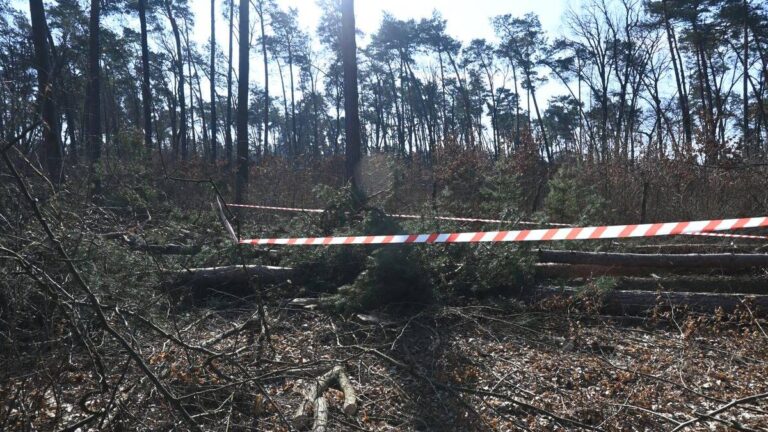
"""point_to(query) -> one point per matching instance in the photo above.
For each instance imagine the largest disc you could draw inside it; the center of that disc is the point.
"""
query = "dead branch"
(717, 411)
(94, 301)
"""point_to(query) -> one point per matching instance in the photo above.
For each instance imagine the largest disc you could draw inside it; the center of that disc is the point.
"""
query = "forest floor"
(484, 366)
(499, 367)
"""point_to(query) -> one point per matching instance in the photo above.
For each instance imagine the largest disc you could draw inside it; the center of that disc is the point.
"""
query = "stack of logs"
(701, 281)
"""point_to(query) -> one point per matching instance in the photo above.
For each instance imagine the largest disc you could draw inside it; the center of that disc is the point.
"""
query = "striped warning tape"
(402, 216)
(288, 209)
(551, 234)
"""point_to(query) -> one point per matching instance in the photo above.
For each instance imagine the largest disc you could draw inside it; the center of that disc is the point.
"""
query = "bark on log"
(350, 400)
(321, 415)
(686, 248)
(201, 283)
(314, 399)
(697, 284)
(544, 271)
(728, 261)
(227, 275)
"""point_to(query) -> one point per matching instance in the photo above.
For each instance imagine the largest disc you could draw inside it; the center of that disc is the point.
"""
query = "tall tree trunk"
(262, 18)
(294, 135)
(214, 145)
(517, 107)
(228, 130)
(190, 83)
(442, 97)
(682, 94)
(467, 104)
(93, 85)
(745, 82)
(289, 141)
(315, 115)
(242, 104)
(351, 115)
(201, 104)
(532, 92)
(51, 137)
(180, 70)
(146, 94)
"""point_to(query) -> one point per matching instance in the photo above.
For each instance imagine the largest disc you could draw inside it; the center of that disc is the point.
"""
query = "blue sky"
(467, 19)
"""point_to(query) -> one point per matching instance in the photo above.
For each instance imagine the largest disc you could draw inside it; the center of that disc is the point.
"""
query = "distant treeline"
(678, 79)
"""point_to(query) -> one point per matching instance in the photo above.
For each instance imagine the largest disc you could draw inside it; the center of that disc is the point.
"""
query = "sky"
(467, 19)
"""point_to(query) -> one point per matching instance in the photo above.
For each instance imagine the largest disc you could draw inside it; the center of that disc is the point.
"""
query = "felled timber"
(697, 284)
(716, 245)
(314, 400)
(228, 275)
(231, 281)
(544, 271)
(723, 261)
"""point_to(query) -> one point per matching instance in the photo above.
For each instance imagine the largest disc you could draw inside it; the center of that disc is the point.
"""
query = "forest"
(296, 228)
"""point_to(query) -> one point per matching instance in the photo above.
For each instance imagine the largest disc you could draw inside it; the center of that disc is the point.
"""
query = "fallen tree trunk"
(629, 302)
(687, 248)
(726, 261)
(231, 275)
(232, 281)
(546, 271)
(696, 284)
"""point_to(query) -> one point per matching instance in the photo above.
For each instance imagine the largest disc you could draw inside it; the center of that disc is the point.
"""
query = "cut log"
(696, 284)
(544, 271)
(315, 401)
(199, 284)
(726, 261)
(652, 279)
(350, 400)
(638, 303)
(321, 415)
(718, 245)
(232, 274)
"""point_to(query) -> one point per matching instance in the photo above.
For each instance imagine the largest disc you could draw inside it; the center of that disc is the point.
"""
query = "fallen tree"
(544, 271)
(696, 283)
(723, 261)
(233, 280)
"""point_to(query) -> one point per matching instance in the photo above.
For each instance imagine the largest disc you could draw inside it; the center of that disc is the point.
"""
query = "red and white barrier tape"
(551, 234)
(402, 216)
(288, 209)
